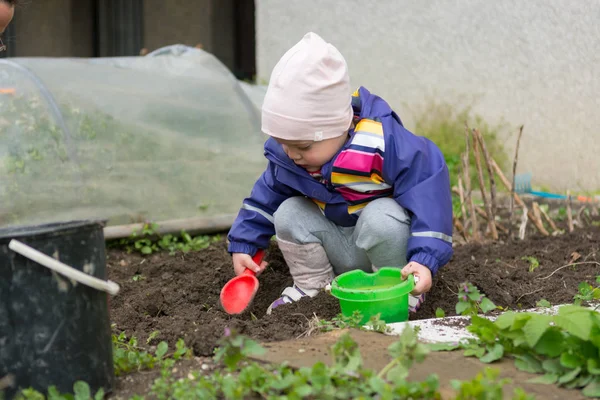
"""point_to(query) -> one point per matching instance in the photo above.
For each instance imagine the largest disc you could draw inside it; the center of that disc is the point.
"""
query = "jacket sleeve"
(253, 227)
(418, 172)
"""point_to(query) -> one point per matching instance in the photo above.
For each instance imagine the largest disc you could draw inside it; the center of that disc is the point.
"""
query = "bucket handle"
(70, 272)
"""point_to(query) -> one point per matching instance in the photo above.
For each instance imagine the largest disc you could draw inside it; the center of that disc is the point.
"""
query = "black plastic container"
(54, 331)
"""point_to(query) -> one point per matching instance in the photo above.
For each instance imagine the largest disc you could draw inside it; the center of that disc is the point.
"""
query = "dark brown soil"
(179, 295)
(500, 271)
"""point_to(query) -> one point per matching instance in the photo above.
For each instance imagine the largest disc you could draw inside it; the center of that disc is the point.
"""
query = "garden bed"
(178, 295)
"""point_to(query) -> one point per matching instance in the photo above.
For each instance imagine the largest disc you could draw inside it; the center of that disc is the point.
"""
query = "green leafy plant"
(471, 301)
(345, 378)
(341, 321)
(533, 262)
(406, 351)
(543, 303)
(81, 391)
(486, 385)
(233, 348)
(440, 313)
(444, 124)
(149, 241)
(587, 292)
(563, 348)
(128, 356)
(353, 321)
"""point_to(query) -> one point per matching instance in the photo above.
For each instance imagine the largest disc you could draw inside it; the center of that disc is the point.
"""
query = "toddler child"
(346, 186)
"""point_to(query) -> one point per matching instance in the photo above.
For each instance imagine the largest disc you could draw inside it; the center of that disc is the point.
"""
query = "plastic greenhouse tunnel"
(172, 137)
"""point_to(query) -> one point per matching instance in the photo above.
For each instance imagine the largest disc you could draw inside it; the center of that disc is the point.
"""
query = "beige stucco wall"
(533, 62)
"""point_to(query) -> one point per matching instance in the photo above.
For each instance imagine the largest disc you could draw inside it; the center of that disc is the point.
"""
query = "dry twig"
(580, 215)
(523, 226)
(499, 226)
(569, 212)
(463, 209)
(487, 205)
(460, 228)
(488, 165)
(549, 220)
(313, 325)
(569, 265)
(514, 172)
(527, 294)
(537, 212)
(467, 179)
(481, 212)
(538, 223)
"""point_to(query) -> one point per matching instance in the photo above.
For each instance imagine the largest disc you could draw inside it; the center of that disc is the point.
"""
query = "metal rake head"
(523, 183)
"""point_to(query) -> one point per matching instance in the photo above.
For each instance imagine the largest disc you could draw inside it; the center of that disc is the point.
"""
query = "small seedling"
(439, 313)
(406, 351)
(128, 356)
(81, 391)
(149, 241)
(341, 321)
(233, 348)
(533, 262)
(471, 301)
(543, 303)
(346, 377)
(486, 385)
(587, 292)
(562, 213)
(152, 336)
(353, 322)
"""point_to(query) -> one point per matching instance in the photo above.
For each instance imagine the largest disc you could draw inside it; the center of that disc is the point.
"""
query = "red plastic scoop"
(237, 294)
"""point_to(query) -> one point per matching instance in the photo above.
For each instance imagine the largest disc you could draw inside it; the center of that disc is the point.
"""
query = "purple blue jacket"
(380, 159)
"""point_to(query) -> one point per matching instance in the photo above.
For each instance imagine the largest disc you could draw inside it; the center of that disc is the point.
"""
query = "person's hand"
(422, 274)
(241, 261)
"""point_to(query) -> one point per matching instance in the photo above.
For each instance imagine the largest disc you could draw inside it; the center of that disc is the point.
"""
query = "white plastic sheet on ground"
(167, 136)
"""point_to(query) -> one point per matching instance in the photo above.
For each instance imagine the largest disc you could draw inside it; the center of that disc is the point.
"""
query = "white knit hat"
(309, 94)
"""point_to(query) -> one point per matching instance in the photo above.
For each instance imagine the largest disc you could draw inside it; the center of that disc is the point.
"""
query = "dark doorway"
(119, 27)
(245, 40)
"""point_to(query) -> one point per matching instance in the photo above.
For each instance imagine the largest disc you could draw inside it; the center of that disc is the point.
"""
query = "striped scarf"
(357, 171)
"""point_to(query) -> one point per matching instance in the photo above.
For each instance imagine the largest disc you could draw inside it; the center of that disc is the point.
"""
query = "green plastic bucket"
(382, 292)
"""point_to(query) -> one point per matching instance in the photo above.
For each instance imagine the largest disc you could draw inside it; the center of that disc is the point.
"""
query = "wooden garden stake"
(487, 205)
(481, 212)
(499, 226)
(580, 215)
(468, 197)
(594, 206)
(514, 172)
(549, 220)
(488, 165)
(538, 224)
(523, 226)
(569, 214)
(460, 228)
(537, 212)
(463, 209)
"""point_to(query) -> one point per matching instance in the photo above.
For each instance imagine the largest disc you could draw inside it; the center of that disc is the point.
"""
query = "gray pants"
(317, 249)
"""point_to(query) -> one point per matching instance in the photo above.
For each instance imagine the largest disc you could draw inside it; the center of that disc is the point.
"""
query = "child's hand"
(241, 261)
(419, 271)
